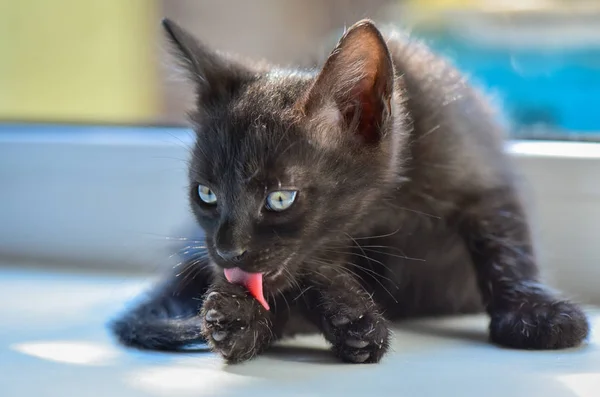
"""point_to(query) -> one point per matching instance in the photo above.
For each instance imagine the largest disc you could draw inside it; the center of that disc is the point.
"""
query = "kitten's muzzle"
(233, 256)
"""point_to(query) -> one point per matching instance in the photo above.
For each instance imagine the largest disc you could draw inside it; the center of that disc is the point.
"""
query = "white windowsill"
(62, 343)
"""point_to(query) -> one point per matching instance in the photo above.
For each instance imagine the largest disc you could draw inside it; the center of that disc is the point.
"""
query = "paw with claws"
(362, 338)
(542, 323)
(234, 324)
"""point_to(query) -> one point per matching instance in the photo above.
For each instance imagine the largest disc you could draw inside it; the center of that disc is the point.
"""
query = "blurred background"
(70, 61)
(93, 153)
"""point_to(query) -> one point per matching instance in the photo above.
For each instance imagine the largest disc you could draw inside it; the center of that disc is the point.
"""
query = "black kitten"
(377, 184)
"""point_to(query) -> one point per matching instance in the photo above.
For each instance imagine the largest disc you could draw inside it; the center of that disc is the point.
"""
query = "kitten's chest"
(411, 235)
(416, 264)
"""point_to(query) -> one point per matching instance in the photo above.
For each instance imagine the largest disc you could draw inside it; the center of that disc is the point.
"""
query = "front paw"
(362, 338)
(541, 325)
(235, 325)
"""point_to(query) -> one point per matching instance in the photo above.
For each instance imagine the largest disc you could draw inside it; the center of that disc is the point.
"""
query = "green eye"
(206, 195)
(281, 200)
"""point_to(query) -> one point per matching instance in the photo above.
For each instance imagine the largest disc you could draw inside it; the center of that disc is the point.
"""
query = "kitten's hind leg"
(347, 315)
(168, 317)
(524, 313)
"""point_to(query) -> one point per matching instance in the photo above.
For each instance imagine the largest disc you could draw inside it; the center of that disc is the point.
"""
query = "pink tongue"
(252, 282)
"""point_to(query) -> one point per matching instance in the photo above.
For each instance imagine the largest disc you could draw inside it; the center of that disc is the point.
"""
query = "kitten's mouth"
(252, 281)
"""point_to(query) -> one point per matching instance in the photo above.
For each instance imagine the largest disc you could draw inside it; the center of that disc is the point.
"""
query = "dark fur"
(407, 207)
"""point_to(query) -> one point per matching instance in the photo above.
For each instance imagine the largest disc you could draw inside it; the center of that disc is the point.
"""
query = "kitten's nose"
(234, 255)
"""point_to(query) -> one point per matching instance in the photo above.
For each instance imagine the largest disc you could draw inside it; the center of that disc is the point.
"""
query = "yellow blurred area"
(443, 4)
(435, 6)
(78, 60)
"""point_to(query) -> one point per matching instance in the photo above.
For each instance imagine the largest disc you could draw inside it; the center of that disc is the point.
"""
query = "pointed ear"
(212, 72)
(357, 82)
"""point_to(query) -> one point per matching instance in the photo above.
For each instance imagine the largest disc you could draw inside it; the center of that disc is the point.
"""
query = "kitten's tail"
(167, 325)
(168, 335)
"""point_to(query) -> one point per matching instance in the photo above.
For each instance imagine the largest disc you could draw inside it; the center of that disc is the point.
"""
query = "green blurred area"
(73, 60)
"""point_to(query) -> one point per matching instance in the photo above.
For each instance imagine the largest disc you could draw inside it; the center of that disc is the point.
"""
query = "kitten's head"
(286, 160)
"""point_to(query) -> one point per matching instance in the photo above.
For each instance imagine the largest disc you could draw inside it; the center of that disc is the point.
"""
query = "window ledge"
(111, 197)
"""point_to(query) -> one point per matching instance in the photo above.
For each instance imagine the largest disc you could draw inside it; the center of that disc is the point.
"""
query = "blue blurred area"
(557, 89)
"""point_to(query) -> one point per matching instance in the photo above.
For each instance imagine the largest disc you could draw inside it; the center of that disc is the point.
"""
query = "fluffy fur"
(407, 206)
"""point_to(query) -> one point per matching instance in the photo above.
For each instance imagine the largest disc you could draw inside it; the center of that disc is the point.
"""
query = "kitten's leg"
(167, 318)
(347, 315)
(235, 325)
(524, 313)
